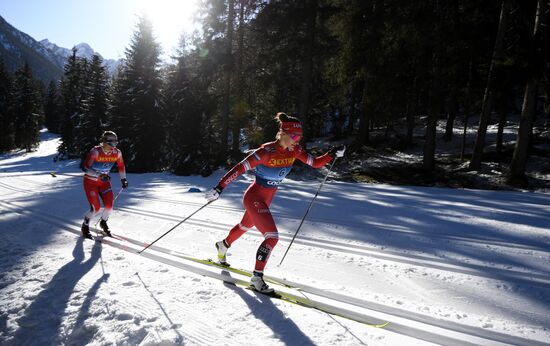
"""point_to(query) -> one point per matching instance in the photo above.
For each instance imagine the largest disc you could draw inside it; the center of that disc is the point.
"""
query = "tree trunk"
(307, 72)
(455, 63)
(501, 124)
(364, 121)
(428, 160)
(521, 151)
(355, 94)
(226, 106)
(488, 98)
(451, 115)
(535, 67)
(373, 37)
(412, 107)
(240, 111)
(467, 102)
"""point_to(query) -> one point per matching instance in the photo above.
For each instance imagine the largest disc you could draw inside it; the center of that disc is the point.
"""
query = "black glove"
(104, 177)
(124, 183)
(337, 150)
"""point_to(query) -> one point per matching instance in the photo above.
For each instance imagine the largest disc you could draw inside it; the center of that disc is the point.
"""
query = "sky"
(106, 25)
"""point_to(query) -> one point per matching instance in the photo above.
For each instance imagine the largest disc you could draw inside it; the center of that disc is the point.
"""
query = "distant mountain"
(16, 47)
(83, 50)
(45, 58)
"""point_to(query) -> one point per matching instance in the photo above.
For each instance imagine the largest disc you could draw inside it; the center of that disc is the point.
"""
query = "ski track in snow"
(350, 249)
(443, 266)
(408, 327)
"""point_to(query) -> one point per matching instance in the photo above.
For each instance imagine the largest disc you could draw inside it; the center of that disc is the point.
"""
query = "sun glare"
(170, 19)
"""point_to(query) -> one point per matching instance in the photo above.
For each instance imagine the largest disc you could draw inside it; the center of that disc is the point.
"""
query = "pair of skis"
(228, 267)
(297, 299)
(305, 302)
(100, 234)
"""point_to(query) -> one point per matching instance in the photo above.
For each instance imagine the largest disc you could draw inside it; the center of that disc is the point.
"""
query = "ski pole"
(118, 194)
(173, 228)
(308, 208)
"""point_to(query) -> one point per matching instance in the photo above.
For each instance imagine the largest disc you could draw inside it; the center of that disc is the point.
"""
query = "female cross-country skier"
(97, 181)
(271, 163)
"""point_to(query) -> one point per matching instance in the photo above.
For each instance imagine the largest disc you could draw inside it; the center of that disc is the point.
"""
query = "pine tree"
(52, 109)
(286, 48)
(73, 92)
(92, 121)
(7, 132)
(26, 109)
(137, 103)
(98, 100)
(120, 114)
(83, 126)
(185, 129)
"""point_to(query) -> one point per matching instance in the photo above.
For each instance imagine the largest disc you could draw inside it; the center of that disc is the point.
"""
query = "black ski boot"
(105, 228)
(85, 230)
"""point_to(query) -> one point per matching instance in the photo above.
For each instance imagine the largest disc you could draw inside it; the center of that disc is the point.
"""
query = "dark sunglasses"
(295, 138)
(112, 143)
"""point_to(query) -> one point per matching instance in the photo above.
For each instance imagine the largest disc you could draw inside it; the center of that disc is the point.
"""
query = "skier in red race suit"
(271, 163)
(97, 181)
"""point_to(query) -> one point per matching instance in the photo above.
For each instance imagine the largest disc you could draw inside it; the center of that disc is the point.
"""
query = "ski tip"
(53, 174)
(381, 325)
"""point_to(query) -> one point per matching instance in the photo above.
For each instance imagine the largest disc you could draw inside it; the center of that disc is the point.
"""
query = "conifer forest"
(381, 76)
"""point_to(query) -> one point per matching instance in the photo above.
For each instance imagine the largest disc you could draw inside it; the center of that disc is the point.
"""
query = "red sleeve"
(308, 159)
(90, 158)
(121, 167)
(257, 157)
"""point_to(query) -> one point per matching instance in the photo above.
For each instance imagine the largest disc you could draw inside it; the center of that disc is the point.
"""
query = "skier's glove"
(337, 151)
(104, 177)
(124, 183)
(213, 194)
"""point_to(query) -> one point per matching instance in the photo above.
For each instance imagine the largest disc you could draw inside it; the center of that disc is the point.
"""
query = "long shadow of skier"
(263, 308)
(34, 328)
(173, 325)
(82, 334)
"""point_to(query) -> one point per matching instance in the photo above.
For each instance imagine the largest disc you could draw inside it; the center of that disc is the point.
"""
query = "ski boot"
(105, 228)
(85, 230)
(222, 247)
(257, 283)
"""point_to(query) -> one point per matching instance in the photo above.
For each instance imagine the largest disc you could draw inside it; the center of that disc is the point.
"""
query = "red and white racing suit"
(271, 164)
(97, 182)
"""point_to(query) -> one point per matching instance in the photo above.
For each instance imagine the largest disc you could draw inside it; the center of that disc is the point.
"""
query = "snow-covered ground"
(443, 266)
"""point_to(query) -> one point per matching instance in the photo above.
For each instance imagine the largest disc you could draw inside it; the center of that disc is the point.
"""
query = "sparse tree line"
(345, 67)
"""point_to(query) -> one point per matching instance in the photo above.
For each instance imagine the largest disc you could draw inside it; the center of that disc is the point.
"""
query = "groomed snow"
(443, 266)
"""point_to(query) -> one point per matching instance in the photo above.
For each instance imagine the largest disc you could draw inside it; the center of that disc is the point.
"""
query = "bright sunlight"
(170, 18)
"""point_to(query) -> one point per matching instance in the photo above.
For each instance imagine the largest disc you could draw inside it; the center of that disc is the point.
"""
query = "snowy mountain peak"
(83, 50)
